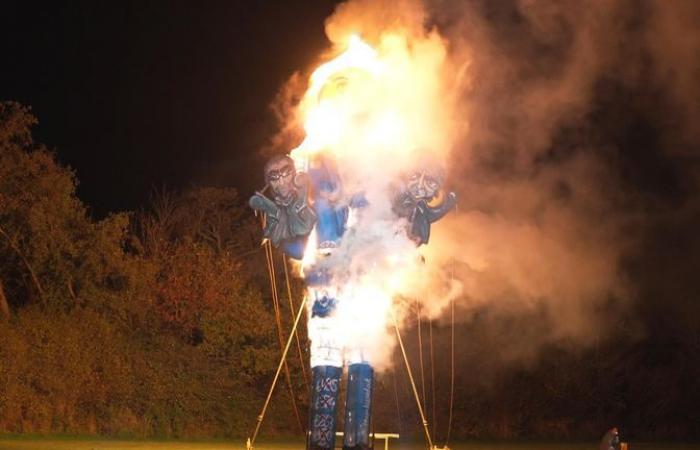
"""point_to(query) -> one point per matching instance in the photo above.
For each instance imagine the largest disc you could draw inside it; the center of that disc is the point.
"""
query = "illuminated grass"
(40, 443)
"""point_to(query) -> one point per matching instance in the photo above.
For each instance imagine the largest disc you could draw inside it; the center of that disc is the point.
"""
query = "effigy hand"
(435, 213)
(261, 203)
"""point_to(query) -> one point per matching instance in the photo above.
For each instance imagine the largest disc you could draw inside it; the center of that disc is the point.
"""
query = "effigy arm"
(435, 213)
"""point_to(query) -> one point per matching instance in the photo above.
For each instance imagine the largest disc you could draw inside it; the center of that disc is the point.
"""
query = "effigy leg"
(324, 404)
(358, 407)
(327, 369)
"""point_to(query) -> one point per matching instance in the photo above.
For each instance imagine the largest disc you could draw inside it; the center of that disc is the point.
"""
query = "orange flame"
(372, 110)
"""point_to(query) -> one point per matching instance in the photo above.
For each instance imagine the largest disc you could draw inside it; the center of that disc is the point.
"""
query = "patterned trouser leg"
(357, 407)
(324, 404)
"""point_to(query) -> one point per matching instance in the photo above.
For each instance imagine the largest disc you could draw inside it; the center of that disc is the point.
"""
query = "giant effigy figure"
(311, 206)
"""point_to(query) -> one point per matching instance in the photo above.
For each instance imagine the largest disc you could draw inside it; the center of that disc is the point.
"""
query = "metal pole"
(413, 384)
(251, 441)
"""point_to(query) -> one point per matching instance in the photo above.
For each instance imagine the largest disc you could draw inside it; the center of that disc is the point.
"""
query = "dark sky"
(134, 94)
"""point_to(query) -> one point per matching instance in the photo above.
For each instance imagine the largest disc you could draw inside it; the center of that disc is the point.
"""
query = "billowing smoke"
(552, 187)
(508, 95)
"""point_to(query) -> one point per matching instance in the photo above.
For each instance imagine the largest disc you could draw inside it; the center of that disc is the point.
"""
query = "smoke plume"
(533, 107)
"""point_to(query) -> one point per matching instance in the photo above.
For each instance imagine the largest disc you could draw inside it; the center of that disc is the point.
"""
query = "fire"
(328, 106)
(374, 111)
(376, 104)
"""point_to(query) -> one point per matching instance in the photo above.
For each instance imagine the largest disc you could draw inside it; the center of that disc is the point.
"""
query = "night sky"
(134, 95)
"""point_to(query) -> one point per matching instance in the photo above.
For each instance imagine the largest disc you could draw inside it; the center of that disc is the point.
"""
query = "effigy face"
(413, 200)
(423, 185)
(279, 174)
(289, 217)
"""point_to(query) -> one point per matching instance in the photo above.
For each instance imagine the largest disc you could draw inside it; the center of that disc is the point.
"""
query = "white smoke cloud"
(502, 94)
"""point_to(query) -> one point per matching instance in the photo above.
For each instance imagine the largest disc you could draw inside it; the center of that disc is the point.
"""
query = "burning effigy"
(353, 204)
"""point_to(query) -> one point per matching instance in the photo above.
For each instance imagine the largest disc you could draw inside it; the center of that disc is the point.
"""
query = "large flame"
(375, 104)
(339, 97)
(375, 112)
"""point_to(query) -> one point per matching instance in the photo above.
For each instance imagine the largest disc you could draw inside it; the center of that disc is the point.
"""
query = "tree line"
(145, 323)
(159, 322)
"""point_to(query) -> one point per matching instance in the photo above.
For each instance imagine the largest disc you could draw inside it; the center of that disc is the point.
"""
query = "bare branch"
(17, 250)
(4, 305)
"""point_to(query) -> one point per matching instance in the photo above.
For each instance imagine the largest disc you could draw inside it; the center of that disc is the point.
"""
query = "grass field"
(40, 443)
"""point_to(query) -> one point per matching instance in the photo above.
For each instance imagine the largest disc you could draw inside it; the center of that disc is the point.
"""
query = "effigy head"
(279, 175)
(425, 181)
(421, 199)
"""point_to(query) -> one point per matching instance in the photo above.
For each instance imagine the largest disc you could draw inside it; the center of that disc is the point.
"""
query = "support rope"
(396, 397)
(413, 384)
(452, 352)
(452, 358)
(420, 353)
(452, 369)
(278, 320)
(261, 416)
(291, 311)
(432, 377)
